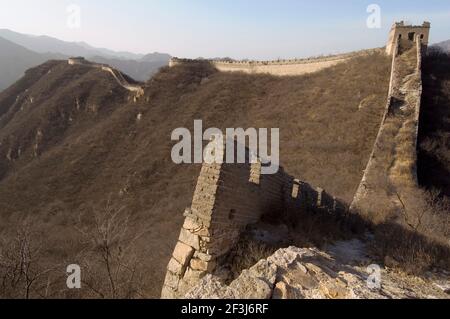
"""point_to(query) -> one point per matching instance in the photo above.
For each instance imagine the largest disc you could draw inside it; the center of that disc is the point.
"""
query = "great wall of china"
(392, 168)
(117, 75)
(292, 67)
(229, 197)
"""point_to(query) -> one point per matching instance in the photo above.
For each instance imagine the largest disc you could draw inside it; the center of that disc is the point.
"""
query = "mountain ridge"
(15, 60)
(42, 48)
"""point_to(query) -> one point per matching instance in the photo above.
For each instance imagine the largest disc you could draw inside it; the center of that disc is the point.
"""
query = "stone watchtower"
(77, 60)
(407, 33)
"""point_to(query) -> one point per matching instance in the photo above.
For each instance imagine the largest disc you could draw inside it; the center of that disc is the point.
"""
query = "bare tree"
(109, 260)
(23, 273)
(426, 212)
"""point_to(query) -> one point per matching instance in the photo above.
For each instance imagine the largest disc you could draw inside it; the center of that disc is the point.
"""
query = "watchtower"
(407, 33)
(77, 60)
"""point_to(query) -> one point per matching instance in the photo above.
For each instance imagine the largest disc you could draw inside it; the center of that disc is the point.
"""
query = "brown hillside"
(97, 148)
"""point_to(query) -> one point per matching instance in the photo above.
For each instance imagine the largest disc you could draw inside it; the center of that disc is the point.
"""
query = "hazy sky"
(258, 29)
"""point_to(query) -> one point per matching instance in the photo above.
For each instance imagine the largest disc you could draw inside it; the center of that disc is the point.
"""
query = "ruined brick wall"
(228, 198)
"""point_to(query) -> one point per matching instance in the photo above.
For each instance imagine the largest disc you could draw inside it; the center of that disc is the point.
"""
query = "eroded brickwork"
(228, 198)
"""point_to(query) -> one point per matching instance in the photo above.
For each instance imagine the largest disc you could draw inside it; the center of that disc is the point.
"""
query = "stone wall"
(279, 67)
(117, 75)
(228, 198)
(392, 167)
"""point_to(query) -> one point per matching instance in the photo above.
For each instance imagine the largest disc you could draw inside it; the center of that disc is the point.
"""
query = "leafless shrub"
(23, 272)
(419, 239)
(111, 266)
(426, 213)
(246, 254)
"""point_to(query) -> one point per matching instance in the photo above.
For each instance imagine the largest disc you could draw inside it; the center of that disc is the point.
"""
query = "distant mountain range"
(15, 60)
(19, 52)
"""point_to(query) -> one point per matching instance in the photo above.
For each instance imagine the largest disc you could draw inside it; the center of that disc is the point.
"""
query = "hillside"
(73, 141)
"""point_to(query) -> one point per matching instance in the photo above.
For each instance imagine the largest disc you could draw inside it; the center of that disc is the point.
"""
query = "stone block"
(202, 256)
(183, 253)
(201, 265)
(196, 226)
(193, 276)
(189, 239)
(172, 280)
(168, 293)
(175, 267)
(191, 224)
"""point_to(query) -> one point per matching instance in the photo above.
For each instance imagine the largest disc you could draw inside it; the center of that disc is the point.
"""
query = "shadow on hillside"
(434, 131)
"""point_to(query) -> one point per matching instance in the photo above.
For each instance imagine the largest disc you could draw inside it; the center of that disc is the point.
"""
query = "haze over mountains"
(19, 52)
(15, 59)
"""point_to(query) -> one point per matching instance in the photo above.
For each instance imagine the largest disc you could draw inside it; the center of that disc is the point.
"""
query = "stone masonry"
(227, 198)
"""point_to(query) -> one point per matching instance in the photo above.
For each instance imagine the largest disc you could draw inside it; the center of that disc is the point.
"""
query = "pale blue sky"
(258, 29)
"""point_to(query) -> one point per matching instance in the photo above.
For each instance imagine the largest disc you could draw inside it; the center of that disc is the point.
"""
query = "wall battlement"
(291, 67)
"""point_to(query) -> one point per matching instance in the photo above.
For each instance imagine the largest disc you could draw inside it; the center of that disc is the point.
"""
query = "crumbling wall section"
(228, 198)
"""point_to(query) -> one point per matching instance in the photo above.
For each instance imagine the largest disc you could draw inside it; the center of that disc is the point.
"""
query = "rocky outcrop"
(295, 273)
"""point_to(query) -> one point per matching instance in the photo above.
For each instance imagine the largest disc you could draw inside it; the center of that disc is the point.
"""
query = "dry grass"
(245, 255)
